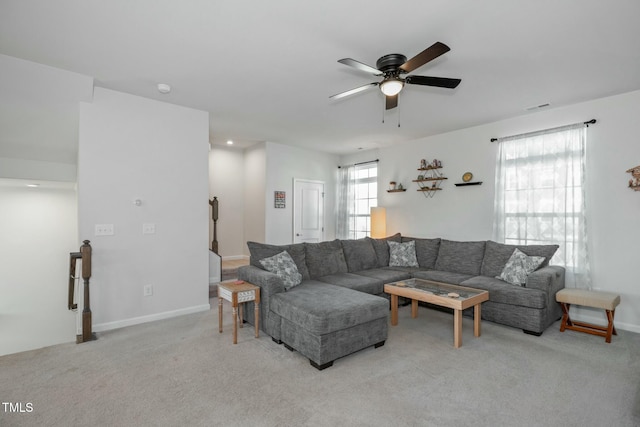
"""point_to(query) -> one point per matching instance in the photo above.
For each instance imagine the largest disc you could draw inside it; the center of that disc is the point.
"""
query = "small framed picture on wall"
(279, 199)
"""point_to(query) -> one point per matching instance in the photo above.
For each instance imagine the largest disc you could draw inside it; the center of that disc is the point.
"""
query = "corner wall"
(284, 164)
(136, 148)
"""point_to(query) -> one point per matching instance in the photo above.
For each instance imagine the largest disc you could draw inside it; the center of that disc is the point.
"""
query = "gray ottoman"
(327, 322)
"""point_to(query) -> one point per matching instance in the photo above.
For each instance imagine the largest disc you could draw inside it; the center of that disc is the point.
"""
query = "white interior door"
(308, 211)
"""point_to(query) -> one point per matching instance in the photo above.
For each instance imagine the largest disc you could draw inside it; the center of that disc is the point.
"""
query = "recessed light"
(229, 142)
(164, 88)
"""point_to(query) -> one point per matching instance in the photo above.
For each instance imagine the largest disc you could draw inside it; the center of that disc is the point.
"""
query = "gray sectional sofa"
(339, 306)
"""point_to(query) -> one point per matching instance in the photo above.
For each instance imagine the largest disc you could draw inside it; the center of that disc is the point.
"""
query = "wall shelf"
(397, 191)
(462, 184)
(429, 180)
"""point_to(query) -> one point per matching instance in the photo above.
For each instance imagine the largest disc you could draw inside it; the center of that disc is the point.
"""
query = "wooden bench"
(607, 301)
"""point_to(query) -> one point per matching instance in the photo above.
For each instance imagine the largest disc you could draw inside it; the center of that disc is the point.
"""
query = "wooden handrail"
(85, 256)
(214, 217)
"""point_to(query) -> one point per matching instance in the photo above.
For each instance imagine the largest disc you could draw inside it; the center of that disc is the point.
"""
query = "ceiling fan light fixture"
(391, 87)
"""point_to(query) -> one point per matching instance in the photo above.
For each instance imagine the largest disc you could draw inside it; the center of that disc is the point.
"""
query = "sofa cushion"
(496, 255)
(402, 254)
(260, 251)
(382, 248)
(519, 267)
(357, 282)
(322, 309)
(359, 254)
(442, 276)
(505, 293)
(426, 251)
(460, 257)
(325, 258)
(282, 265)
(387, 275)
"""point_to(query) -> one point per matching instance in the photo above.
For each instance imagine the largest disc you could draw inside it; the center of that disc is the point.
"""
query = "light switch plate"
(104, 230)
(148, 228)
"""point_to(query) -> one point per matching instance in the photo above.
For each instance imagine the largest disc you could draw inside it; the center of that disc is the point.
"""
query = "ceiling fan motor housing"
(389, 63)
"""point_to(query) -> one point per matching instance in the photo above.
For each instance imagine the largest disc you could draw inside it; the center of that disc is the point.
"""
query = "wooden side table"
(237, 293)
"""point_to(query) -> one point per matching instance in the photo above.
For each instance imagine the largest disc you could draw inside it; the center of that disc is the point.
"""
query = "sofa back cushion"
(381, 248)
(496, 256)
(325, 258)
(426, 251)
(460, 257)
(359, 254)
(260, 251)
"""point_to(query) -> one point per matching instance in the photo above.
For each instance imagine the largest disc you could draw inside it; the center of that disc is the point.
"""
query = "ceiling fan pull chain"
(398, 114)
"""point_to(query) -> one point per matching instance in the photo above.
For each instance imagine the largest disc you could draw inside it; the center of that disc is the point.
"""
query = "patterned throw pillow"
(402, 254)
(518, 267)
(284, 267)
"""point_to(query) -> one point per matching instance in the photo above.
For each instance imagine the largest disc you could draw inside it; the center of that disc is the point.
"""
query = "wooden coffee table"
(442, 294)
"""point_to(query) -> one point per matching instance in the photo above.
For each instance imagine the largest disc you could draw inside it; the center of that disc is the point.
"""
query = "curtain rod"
(361, 163)
(587, 123)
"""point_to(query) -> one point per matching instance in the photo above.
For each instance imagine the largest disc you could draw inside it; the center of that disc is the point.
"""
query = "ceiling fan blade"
(433, 81)
(360, 66)
(391, 102)
(429, 54)
(352, 91)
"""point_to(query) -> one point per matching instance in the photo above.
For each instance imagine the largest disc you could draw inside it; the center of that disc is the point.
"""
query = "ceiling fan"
(393, 66)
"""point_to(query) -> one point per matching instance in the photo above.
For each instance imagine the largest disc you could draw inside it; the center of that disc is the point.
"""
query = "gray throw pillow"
(519, 266)
(283, 266)
(402, 254)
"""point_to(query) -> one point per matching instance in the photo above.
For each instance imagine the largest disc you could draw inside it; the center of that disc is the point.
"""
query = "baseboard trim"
(101, 327)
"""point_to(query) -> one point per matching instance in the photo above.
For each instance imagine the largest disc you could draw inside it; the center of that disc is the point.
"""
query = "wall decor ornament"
(279, 199)
(634, 182)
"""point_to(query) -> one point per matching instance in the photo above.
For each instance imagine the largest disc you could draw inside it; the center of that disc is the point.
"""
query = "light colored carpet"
(181, 371)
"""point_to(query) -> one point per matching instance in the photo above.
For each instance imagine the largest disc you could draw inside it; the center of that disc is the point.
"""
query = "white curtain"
(540, 196)
(345, 201)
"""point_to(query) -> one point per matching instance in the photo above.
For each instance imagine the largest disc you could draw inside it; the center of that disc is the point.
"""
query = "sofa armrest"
(549, 279)
(269, 283)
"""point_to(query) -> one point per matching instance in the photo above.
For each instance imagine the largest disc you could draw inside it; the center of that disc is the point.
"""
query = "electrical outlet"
(148, 228)
(104, 230)
(148, 290)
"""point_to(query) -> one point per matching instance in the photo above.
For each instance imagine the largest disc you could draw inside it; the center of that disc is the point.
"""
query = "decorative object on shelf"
(430, 177)
(398, 189)
(466, 180)
(392, 185)
(634, 182)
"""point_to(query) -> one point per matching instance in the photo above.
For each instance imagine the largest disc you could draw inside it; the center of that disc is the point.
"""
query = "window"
(357, 194)
(540, 196)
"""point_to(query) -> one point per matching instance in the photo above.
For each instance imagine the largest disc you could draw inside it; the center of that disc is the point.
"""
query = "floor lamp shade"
(378, 222)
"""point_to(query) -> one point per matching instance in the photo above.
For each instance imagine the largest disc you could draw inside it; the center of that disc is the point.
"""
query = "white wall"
(226, 181)
(284, 164)
(255, 165)
(466, 213)
(132, 147)
(39, 229)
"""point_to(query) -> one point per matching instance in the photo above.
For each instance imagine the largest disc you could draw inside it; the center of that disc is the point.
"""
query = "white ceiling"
(264, 70)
